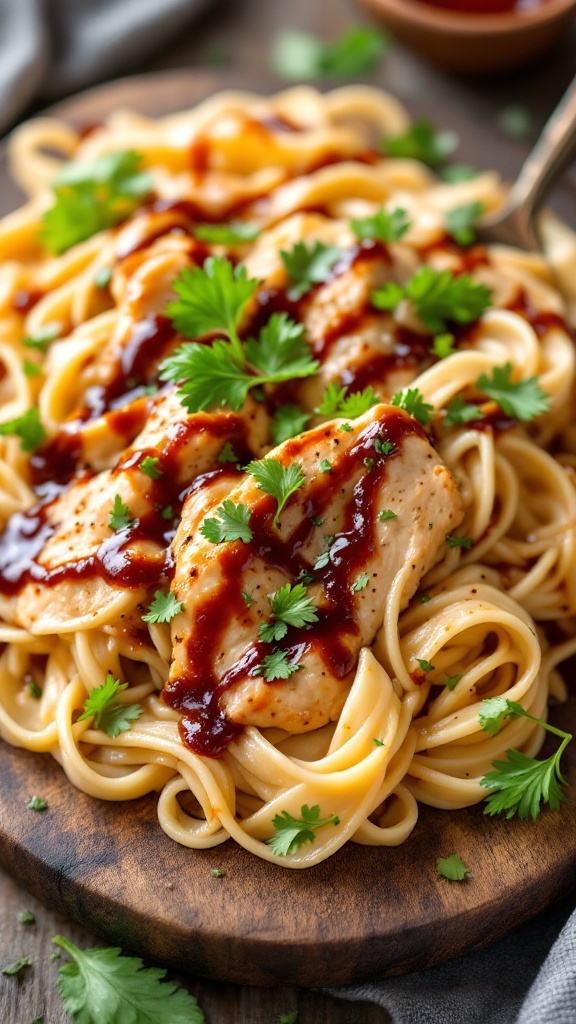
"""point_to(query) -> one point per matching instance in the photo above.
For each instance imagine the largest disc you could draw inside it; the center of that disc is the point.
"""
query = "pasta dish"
(287, 472)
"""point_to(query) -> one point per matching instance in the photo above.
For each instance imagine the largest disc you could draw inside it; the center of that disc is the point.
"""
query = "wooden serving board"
(366, 912)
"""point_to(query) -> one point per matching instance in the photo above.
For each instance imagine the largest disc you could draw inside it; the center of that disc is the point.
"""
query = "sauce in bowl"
(486, 6)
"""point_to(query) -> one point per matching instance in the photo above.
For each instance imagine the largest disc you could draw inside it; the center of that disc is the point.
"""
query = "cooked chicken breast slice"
(329, 529)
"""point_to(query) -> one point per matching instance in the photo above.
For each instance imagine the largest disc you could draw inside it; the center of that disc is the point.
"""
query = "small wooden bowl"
(474, 43)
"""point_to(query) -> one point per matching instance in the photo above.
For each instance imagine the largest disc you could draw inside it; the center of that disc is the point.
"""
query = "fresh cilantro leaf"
(386, 513)
(516, 122)
(27, 427)
(459, 542)
(217, 374)
(453, 868)
(308, 265)
(92, 197)
(388, 296)
(227, 454)
(19, 965)
(443, 345)
(358, 403)
(331, 400)
(211, 298)
(523, 399)
(278, 480)
(288, 421)
(43, 337)
(439, 298)
(213, 375)
(458, 172)
(335, 402)
(460, 222)
(149, 466)
(164, 608)
(290, 607)
(421, 142)
(357, 51)
(361, 581)
(522, 784)
(120, 518)
(26, 917)
(108, 713)
(425, 665)
(31, 369)
(324, 559)
(325, 466)
(451, 681)
(458, 411)
(378, 743)
(100, 986)
(236, 232)
(230, 524)
(412, 401)
(492, 713)
(275, 666)
(37, 803)
(383, 226)
(280, 352)
(102, 277)
(383, 447)
(292, 833)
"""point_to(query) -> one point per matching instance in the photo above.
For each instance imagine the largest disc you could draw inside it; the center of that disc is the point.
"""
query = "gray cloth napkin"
(52, 47)
(511, 982)
(49, 48)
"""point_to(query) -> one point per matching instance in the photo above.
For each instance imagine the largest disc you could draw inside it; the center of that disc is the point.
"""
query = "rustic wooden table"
(237, 33)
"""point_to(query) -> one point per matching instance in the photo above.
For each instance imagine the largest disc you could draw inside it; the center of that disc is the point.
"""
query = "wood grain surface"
(364, 912)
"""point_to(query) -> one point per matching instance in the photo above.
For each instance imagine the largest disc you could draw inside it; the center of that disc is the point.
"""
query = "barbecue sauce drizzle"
(335, 636)
(124, 401)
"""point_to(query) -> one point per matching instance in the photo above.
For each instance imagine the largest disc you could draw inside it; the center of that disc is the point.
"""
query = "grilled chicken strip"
(330, 535)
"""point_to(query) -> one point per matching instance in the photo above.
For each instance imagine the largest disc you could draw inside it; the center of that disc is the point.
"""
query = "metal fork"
(515, 223)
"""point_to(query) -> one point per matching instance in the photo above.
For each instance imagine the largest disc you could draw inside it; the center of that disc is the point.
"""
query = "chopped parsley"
(439, 298)
(27, 427)
(378, 743)
(290, 607)
(421, 142)
(149, 466)
(459, 542)
(164, 607)
(425, 665)
(521, 784)
(386, 513)
(291, 833)
(383, 226)
(412, 401)
(108, 713)
(336, 402)
(37, 803)
(452, 681)
(120, 518)
(11, 970)
(298, 55)
(247, 598)
(443, 345)
(383, 447)
(460, 220)
(288, 421)
(227, 454)
(33, 689)
(236, 232)
(277, 480)
(361, 581)
(453, 868)
(325, 466)
(31, 369)
(523, 399)
(230, 524)
(308, 265)
(275, 666)
(43, 337)
(91, 197)
(26, 917)
(458, 411)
